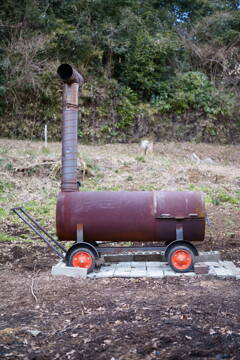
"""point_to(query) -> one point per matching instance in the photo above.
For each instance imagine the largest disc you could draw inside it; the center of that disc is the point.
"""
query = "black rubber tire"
(93, 243)
(82, 249)
(185, 248)
(182, 243)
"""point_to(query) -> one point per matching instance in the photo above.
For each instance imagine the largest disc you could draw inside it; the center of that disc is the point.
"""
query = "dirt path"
(42, 317)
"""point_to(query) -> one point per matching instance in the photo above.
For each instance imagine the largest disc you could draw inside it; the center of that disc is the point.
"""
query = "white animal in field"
(147, 146)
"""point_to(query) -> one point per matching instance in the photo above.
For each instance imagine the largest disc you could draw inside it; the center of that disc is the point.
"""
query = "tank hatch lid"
(179, 205)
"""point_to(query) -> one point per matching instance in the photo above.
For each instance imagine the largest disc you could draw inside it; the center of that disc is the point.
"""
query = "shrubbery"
(170, 69)
(193, 91)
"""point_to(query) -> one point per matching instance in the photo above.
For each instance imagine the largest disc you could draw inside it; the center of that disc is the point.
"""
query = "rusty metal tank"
(136, 216)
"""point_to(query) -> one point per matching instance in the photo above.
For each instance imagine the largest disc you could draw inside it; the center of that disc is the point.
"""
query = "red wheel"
(83, 258)
(181, 259)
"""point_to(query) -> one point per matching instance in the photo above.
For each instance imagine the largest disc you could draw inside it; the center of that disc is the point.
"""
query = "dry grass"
(104, 319)
(123, 167)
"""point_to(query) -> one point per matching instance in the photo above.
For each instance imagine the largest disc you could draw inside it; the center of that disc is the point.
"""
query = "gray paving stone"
(119, 271)
(224, 269)
(61, 269)
(124, 264)
(123, 268)
(155, 272)
(208, 256)
(228, 264)
(153, 269)
(153, 264)
(189, 274)
(138, 264)
(223, 273)
(231, 267)
(213, 264)
(100, 275)
(219, 271)
(169, 272)
(165, 266)
(105, 274)
(106, 271)
(138, 273)
(92, 275)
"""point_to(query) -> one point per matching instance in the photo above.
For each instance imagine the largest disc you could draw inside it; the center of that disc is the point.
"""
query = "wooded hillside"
(167, 69)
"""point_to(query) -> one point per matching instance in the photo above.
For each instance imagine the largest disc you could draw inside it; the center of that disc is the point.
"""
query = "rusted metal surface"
(178, 204)
(72, 81)
(137, 216)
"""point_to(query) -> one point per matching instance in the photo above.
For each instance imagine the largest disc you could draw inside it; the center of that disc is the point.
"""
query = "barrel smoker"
(170, 220)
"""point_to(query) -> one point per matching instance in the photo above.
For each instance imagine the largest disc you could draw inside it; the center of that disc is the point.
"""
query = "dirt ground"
(45, 317)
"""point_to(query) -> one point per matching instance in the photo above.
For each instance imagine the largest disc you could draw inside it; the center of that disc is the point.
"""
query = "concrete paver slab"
(138, 273)
(169, 272)
(61, 269)
(231, 267)
(105, 271)
(124, 264)
(119, 273)
(153, 264)
(153, 269)
(155, 272)
(208, 256)
(220, 272)
(138, 264)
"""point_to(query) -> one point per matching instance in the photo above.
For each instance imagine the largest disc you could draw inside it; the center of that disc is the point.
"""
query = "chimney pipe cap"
(69, 75)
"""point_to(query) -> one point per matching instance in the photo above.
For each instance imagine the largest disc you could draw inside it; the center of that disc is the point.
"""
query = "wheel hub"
(181, 259)
(82, 259)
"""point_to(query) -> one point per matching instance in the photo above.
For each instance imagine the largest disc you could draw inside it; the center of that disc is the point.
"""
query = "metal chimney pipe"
(72, 81)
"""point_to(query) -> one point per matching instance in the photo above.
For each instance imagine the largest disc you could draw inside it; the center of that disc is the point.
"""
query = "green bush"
(193, 91)
(147, 66)
(221, 196)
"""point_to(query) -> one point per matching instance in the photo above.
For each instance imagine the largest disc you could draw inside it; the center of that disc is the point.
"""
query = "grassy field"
(30, 177)
(46, 318)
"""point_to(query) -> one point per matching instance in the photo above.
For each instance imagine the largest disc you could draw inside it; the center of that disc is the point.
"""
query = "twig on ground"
(32, 287)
